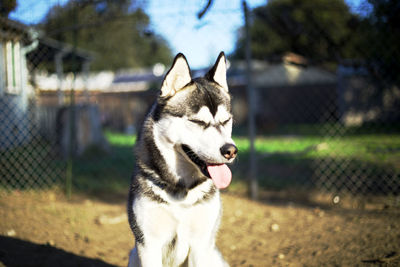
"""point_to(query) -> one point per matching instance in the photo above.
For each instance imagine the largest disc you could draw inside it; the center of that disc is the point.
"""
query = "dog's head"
(194, 116)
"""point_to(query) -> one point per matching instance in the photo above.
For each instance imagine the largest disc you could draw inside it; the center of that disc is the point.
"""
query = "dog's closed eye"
(225, 122)
(201, 123)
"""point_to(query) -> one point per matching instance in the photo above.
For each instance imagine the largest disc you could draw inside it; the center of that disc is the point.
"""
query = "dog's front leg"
(150, 255)
(204, 225)
(157, 227)
(206, 256)
(147, 257)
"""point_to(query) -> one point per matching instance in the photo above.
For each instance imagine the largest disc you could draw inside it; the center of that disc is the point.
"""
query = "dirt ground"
(47, 230)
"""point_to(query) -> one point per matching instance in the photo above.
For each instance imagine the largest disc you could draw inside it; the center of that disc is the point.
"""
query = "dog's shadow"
(16, 252)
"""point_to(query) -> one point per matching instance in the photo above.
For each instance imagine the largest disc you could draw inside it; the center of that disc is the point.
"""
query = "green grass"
(373, 148)
(333, 163)
(119, 139)
(360, 163)
(376, 149)
(283, 162)
(98, 171)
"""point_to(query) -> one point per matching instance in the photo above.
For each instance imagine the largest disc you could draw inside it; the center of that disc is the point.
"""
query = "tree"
(6, 6)
(381, 39)
(317, 29)
(116, 31)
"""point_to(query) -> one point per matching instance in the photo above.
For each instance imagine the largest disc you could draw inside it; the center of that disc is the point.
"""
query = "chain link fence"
(323, 125)
(327, 116)
(28, 160)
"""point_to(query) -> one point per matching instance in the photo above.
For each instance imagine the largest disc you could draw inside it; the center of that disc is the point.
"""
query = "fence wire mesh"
(327, 125)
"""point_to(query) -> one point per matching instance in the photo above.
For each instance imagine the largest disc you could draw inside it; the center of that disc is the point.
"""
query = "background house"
(24, 53)
(122, 97)
(287, 84)
(16, 41)
(284, 86)
(365, 98)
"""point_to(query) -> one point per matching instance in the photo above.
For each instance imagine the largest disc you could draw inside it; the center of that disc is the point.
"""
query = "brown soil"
(47, 230)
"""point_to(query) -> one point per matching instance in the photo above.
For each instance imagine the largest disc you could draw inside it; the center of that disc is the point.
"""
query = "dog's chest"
(187, 222)
(194, 214)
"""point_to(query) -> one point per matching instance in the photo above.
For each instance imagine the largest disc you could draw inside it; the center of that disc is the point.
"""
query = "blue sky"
(200, 40)
(176, 20)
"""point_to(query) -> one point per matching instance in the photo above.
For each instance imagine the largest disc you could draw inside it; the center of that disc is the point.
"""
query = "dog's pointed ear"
(218, 72)
(177, 77)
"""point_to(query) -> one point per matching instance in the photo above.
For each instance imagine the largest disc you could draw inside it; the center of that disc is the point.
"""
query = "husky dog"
(174, 205)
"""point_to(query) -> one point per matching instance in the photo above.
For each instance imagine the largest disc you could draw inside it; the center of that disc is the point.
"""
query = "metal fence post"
(251, 103)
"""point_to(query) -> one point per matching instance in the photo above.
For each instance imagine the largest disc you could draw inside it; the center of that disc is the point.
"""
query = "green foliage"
(116, 31)
(381, 42)
(326, 32)
(316, 29)
(6, 6)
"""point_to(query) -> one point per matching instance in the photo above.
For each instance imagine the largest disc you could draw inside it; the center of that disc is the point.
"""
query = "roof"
(290, 70)
(10, 29)
(47, 48)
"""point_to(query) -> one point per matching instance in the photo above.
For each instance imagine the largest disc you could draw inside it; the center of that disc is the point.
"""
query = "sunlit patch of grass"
(283, 161)
(120, 139)
(381, 149)
(378, 148)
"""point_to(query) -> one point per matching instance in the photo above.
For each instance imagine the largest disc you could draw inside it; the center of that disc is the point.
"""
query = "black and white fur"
(174, 207)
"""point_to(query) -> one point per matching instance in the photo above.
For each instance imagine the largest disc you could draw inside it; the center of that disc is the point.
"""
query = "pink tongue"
(220, 174)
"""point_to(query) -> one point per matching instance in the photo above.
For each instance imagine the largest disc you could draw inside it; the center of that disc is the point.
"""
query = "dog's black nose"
(229, 151)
